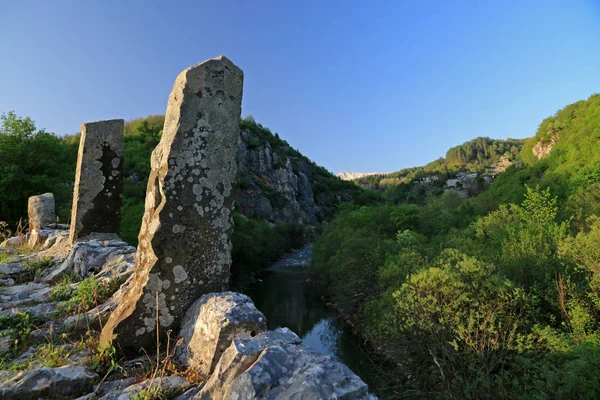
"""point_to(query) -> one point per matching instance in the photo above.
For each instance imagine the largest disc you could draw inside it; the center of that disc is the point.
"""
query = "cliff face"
(278, 184)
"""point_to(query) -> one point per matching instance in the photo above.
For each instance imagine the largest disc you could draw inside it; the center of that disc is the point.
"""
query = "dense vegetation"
(33, 161)
(497, 296)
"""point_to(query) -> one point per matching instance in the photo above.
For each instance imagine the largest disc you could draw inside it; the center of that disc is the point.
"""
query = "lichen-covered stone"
(273, 365)
(184, 243)
(210, 325)
(62, 382)
(41, 211)
(98, 179)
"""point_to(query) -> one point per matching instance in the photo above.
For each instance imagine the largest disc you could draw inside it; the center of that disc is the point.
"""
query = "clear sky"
(355, 86)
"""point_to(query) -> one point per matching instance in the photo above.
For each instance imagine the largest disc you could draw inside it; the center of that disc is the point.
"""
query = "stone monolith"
(184, 243)
(41, 211)
(98, 180)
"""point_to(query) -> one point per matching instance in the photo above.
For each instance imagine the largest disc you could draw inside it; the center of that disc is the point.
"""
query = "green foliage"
(88, 294)
(21, 323)
(33, 269)
(483, 150)
(32, 161)
(523, 240)
(256, 244)
(500, 305)
(132, 212)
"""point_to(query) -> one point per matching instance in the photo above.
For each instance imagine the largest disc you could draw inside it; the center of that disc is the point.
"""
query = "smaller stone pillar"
(98, 179)
(40, 210)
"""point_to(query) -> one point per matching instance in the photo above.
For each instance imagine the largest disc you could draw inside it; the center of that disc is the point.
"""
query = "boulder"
(41, 211)
(210, 325)
(184, 243)
(63, 382)
(273, 366)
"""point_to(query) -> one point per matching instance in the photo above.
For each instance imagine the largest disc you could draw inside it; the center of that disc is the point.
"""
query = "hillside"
(505, 282)
(480, 155)
(564, 155)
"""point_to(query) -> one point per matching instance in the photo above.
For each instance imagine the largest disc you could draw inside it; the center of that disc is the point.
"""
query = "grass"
(33, 269)
(90, 293)
(21, 324)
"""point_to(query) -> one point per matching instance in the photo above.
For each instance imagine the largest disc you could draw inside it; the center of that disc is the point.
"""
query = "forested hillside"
(496, 296)
(472, 156)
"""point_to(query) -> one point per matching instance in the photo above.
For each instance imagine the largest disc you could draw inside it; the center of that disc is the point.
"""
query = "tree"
(32, 162)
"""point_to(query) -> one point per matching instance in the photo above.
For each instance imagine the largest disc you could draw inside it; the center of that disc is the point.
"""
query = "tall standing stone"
(41, 211)
(98, 179)
(184, 243)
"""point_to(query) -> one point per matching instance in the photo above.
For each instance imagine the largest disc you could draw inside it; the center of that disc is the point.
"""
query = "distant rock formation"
(350, 176)
(274, 189)
(543, 147)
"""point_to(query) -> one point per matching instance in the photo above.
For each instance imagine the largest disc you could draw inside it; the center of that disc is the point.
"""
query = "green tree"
(32, 161)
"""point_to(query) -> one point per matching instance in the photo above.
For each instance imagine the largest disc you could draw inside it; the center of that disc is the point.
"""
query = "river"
(287, 299)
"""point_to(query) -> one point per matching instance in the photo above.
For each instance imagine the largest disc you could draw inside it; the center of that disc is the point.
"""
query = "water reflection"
(287, 300)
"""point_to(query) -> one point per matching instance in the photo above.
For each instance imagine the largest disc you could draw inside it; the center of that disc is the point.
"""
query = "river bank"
(285, 294)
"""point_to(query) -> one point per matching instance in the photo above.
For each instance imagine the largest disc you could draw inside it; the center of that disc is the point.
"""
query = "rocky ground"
(54, 300)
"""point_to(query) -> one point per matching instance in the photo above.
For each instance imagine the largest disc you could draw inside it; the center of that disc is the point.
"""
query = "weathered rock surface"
(169, 384)
(41, 211)
(98, 179)
(105, 256)
(14, 242)
(184, 243)
(543, 148)
(63, 381)
(291, 198)
(210, 325)
(273, 366)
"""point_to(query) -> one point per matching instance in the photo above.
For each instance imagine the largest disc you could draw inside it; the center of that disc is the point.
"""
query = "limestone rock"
(170, 384)
(98, 179)
(63, 381)
(210, 325)
(291, 198)
(273, 366)
(544, 147)
(36, 237)
(184, 243)
(14, 242)
(11, 269)
(105, 258)
(5, 343)
(41, 211)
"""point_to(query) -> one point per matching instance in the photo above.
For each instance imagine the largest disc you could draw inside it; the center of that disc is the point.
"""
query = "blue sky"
(355, 86)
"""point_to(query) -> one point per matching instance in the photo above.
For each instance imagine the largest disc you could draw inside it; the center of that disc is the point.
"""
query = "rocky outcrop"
(544, 147)
(278, 184)
(184, 243)
(271, 186)
(210, 325)
(273, 365)
(63, 381)
(98, 180)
